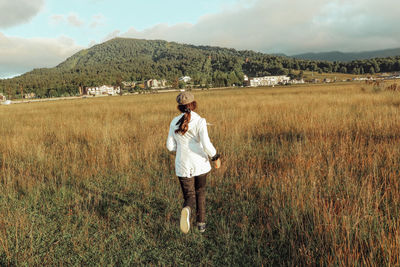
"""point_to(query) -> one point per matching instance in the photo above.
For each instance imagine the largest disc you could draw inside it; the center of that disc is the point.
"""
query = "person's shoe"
(201, 227)
(185, 220)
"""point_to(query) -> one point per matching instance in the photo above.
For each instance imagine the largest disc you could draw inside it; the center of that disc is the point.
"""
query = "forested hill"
(122, 59)
(341, 56)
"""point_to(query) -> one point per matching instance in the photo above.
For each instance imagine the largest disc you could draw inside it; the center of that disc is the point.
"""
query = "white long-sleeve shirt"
(193, 148)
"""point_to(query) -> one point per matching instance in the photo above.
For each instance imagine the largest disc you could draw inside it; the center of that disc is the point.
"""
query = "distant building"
(185, 79)
(315, 80)
(102, 90)
(155, 84)
(29, 95)
(268, 80)
(3, 97)
(362, 79)
(129, 84)
(297, 81)
(392, 77)
(246, 81)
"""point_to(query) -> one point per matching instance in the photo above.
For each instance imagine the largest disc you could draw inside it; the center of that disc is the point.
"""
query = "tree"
(376, 66)
(175, 83)
(232, 79)
(300, 75)
(372, 70)
(182, 85)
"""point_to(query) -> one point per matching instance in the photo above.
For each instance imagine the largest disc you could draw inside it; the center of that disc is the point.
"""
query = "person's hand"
(217, 163)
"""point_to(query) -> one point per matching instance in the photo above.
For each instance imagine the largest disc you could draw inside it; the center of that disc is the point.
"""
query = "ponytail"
(183, 123)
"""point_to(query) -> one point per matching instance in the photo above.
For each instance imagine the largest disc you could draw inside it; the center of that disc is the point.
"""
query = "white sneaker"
(201, 227)
(185, 220)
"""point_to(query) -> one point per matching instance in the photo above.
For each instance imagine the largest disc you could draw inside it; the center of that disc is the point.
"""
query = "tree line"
(122, 59)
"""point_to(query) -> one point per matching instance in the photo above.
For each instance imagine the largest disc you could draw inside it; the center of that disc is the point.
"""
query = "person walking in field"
(188, 137)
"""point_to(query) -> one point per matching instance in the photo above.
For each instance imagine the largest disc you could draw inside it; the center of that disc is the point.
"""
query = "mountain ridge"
(348, 56)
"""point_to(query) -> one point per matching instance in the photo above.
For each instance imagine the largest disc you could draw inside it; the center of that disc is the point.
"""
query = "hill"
(345, 57)
(123, 59)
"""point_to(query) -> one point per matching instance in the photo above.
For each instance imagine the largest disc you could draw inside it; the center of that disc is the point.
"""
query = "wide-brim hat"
(185, 98)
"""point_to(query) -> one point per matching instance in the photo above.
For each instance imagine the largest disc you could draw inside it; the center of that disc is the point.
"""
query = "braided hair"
(183, 123)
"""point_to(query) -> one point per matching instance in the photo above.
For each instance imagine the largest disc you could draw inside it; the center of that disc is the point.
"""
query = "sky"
(43, 33)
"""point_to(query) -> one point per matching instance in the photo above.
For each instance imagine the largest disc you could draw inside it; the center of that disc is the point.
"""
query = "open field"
(310, 176)
(309, 75)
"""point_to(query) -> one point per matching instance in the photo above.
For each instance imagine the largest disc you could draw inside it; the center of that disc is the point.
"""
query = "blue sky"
(90, 21)
(43, 33)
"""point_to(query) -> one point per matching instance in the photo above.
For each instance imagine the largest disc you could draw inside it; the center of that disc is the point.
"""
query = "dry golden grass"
(310, 176)
(309, 75)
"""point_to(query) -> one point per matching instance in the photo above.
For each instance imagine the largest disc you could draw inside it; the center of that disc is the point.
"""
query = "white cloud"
(74, 20)
(112, 35)
(14, 12)
(290, 26)
(57, 19)
(19, 55)
(97, 20)
(92, 43)
(71, 19)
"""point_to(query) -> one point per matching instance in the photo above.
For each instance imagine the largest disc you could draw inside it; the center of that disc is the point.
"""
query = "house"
(163, 83)
(246, 81)
(185, 79)
(129, 84)
(30, 95)
(2, 97)
(362, 78)
(296, 81)
(268, 80)
(102, 90)
(155, 84)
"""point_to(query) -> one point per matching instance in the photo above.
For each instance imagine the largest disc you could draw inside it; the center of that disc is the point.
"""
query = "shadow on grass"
(280, 137)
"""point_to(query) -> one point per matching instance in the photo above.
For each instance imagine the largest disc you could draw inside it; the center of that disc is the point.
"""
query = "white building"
(295, 81)
(156, 84)
(268, 80)
(4, 101)
(185, 79)
(129, 84)
(102, 90)
(29, 95)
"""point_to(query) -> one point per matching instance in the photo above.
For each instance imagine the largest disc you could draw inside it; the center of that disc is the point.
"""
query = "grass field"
(310, 176)
(309, 75)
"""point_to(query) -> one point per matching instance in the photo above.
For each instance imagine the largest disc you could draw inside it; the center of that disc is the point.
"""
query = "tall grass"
(310, 176)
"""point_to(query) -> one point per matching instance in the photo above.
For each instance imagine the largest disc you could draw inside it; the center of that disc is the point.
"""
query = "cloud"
(57, 19)
(19, 55)
(71, 19)
(115, 33)
(97, 20)
(290, 26)
(15, 12)
(74, 20)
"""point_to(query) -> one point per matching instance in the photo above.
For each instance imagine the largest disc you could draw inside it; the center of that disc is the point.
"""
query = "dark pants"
(194, 193)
